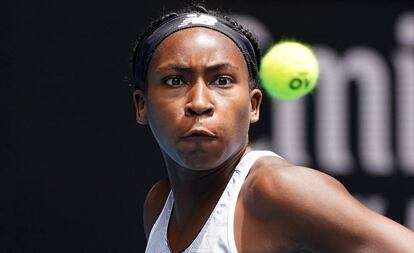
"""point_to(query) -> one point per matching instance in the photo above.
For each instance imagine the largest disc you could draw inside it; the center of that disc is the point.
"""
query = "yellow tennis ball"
(289, 70)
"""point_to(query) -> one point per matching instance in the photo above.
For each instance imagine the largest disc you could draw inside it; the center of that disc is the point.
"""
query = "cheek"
(237, 115)
(162, 115)
(243, 119)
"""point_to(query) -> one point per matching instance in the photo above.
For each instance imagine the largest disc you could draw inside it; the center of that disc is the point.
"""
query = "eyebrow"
(188, 69)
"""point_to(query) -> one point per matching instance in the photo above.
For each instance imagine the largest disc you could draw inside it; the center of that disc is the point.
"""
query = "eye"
(223, 81)
(174, 81)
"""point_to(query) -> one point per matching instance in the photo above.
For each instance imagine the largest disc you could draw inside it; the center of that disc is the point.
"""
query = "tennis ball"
(289, 70)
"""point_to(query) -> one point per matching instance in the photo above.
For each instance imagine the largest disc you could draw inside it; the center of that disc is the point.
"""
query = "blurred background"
(75, 167)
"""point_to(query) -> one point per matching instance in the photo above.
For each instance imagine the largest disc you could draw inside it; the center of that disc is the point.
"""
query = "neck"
(194, 189)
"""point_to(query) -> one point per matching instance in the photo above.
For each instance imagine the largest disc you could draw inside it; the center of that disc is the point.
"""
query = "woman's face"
(198, 103)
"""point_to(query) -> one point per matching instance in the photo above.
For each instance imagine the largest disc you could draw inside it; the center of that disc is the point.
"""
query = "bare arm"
(317, 209)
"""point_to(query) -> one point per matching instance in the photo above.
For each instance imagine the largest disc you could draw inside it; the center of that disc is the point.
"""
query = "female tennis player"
(195, 74)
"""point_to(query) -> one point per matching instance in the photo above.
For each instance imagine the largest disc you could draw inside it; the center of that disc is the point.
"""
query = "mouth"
(199, 133)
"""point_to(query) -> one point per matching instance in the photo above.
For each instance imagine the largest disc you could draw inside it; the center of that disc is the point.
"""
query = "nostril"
(190, 111)
(208, 111)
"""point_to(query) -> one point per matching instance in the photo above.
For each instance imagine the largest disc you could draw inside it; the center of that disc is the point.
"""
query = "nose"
(199, 101)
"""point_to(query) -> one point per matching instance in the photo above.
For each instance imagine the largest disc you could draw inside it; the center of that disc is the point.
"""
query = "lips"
(199, 132)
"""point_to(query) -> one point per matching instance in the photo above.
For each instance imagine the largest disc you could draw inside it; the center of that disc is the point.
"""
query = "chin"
(204, 157)
(199, 161)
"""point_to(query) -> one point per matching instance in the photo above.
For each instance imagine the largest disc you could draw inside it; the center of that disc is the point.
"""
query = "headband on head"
(147, 47)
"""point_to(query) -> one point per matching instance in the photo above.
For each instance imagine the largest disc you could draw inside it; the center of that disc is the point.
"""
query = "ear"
(255, 101)
(140, 109)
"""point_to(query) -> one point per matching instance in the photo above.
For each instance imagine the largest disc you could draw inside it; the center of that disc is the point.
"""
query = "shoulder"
(313, 206)
(154, 203)
(279, 184)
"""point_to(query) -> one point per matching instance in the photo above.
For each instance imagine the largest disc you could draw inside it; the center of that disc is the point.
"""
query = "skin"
(199, 107)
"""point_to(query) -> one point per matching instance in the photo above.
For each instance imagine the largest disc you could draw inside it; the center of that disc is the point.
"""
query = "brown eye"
(223, 81)
(174, 81)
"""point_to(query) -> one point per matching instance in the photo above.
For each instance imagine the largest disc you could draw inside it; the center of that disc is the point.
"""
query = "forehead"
(198, 45)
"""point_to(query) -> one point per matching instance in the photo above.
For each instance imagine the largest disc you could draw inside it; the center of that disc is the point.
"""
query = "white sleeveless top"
(217, 233)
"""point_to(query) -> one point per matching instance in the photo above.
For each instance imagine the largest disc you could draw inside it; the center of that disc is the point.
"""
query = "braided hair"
(194, 8)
